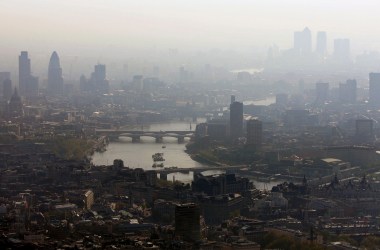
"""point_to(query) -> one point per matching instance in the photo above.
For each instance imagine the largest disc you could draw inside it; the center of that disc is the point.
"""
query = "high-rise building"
(187, 222)
(342, 50)
(98, 79)
(347, 91)
(55, 79)
(254, 133)
(321, 92)
(24, 72)
(321, 47)
(374, 89)
(28, 84)
(236, 120)
(302, 41)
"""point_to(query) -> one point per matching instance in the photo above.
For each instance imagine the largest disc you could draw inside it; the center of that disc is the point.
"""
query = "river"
(139, 155)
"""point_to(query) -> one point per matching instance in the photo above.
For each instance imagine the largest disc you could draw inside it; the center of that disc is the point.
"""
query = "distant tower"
(55, 79)
(15, 107)
(187, 222)
(321, 47)
(24, 72)
(374, 89)
(302, 41)
(98, 79)
(236, 120)
(347, 91)
(254, 133)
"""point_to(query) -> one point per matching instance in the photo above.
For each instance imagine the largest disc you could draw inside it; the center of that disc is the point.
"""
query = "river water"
(139, 155)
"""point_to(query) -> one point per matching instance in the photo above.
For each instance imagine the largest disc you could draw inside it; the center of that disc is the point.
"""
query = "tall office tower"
(187, 222)
(321, 47)
(321, 92)
(236, 120)
(342, 50)
(55, 79)
(302, 41)
(254, 133)
(374, 89)
(24, 72)
(347, 91)
(98, 79)
(7, 89)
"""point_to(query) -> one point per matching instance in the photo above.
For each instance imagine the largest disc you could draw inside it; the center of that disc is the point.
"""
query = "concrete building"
(254, 133)
(187, 222)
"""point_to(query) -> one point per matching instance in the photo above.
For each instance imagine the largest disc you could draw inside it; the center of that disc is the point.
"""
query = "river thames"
(139, 155)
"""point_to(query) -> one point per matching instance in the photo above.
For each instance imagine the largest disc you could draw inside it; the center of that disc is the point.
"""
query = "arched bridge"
(136, 135)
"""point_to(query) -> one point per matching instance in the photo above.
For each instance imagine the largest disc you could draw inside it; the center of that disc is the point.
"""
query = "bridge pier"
(113, 137)
(158, 139)
(135, 138)
(181, 139)
(164, 176)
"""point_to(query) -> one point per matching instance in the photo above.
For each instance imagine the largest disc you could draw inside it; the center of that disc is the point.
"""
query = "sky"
(183, 24)
(116, 28)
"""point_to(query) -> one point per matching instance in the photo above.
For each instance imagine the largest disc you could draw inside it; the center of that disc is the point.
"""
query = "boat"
(158, 157)
(163, 146)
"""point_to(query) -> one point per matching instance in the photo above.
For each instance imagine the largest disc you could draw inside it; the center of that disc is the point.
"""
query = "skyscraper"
(374, 89)
(24, 72)
(302, 41)
(28, 84)
(7, 89)
(55, 79)
(98, 78)
(236, 120)
(321, 47)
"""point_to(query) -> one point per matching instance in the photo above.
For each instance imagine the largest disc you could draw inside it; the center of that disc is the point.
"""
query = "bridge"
(165, 171)
(136, 134)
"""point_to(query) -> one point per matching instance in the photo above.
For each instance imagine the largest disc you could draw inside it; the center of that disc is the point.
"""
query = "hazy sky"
(234, 24)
